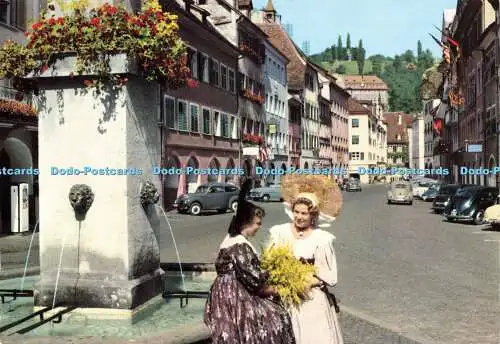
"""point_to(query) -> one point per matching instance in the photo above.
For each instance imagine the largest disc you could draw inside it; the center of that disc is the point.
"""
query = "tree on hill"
(348, 42)
(340, 48)
(360, 57)
(419, 50)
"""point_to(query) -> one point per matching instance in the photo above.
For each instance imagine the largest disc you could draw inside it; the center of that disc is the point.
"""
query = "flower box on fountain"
(98, 111)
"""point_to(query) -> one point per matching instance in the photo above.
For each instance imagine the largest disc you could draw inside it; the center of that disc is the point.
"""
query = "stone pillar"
(109, 142)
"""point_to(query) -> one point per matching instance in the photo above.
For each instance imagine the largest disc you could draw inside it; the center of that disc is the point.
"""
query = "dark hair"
(245, 215)
(313, 210)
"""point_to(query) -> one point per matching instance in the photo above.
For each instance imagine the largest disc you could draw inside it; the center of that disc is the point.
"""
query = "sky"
(387, 27)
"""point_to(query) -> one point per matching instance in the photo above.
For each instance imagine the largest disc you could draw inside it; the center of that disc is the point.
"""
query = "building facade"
(398, 138)
(477, 118)
(18, 119)
(340, 127)
(429, 108)
(326, 154)
(276, 105)
(362, 146)
(372, 92)
(303, 83)
(201, 126)
(418, 142)
(232, 20)
(295, 108)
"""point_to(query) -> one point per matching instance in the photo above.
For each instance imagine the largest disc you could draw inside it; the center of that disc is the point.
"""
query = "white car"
(421, 187)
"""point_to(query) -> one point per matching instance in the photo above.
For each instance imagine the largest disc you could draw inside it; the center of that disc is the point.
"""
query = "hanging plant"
(149, 37)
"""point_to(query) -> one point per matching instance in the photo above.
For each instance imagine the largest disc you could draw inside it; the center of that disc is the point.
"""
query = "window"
(355, 123)
(217, 123)
(194, 118)
(9, 12)
(355, 139)
(214, 72)
(169, 112)
(241, 79)
(203, 71)
(224, 125)
(232, 128)
(193, 62)
(206, 121)
(223, 77)
(182, 115)
(231, 81)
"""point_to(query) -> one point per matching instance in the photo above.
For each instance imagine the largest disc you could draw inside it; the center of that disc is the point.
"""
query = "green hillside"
(402, 73)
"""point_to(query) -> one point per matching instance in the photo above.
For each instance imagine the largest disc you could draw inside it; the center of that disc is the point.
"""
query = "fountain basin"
(163, 318)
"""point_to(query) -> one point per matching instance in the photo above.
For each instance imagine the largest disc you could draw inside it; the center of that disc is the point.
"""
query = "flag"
(437, 40)
(438, 126)
(448, 38)
(262, 154)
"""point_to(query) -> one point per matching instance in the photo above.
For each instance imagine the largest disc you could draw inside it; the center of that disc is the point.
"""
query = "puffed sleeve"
(325, 260)
(248, 271)
(276, 236)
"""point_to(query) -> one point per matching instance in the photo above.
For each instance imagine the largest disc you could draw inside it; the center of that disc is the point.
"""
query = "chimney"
(399, 119)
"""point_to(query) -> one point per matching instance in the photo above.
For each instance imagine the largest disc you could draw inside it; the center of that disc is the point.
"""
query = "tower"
(270, 12)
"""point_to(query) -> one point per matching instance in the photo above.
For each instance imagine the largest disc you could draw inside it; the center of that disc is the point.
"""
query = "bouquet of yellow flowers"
(289, 275)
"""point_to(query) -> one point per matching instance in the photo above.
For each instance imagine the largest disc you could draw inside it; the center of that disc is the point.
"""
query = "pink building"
(340, 126)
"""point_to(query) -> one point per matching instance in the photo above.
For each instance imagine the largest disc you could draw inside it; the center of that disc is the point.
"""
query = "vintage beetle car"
(469, 203)
(400, 192)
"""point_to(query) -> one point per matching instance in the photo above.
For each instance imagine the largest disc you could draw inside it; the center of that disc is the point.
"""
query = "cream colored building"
(367, 146)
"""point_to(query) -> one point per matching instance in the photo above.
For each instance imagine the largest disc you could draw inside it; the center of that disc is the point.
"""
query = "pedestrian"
(315, 320)
(240, 309)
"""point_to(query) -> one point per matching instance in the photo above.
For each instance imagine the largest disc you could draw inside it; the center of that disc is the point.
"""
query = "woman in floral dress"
(239, 309)
(315, 320)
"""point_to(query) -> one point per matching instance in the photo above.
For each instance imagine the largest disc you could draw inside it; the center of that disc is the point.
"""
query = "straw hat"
(319, 188)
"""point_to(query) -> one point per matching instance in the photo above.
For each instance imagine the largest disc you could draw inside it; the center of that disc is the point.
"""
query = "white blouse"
(319, 245)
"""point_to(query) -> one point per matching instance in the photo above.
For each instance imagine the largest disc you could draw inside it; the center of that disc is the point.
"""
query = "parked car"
(400, 192)
(469, 203)
(421, 187)
(353, 185)
(266, 194)
(213, 196)
(443, 197)
(492, 215)
(431, 192)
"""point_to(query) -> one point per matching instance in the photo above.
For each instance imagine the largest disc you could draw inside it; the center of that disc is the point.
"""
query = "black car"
(442, 199)
(214, 196)
(469, 203)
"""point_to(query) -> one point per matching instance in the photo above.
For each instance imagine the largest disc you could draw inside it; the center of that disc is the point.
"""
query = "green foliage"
(287, 274)
(340, 69)
(360, 57)
(402, 73)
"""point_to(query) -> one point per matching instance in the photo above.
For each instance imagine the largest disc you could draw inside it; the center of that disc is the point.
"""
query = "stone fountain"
(96, 153)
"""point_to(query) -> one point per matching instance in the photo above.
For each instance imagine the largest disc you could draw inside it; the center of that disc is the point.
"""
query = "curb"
(16, 273)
